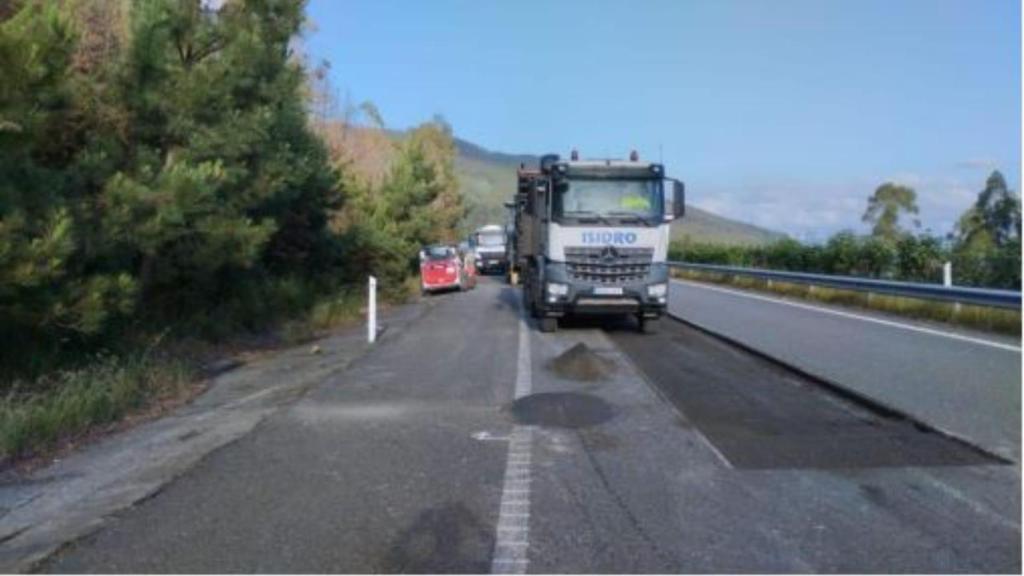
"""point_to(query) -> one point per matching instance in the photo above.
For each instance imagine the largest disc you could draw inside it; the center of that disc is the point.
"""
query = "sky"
(783, 113)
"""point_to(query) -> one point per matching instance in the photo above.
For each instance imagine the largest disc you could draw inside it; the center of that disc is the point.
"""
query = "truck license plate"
(607, 291)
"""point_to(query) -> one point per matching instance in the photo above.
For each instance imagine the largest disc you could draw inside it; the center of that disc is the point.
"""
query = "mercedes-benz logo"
(609, 254)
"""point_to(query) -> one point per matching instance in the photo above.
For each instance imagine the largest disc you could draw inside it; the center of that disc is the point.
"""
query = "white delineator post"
(947, 281)
(371, 313)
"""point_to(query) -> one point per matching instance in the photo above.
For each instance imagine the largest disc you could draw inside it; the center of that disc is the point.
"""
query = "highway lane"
(626, 453)
(376, 470)
(713, 460)
(964, 383)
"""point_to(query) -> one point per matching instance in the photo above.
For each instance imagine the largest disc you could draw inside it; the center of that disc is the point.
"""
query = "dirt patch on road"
(561, 410)
(581, 363)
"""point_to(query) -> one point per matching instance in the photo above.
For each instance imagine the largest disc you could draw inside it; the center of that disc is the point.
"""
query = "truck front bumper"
(648, 296)
(491, 261)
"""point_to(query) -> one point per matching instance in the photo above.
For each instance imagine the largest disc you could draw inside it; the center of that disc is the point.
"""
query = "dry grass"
(64, 408)
(1001, 320)
(37, 416)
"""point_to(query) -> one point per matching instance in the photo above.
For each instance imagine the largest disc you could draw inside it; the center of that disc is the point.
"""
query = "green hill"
(488, 179)
(703, 226)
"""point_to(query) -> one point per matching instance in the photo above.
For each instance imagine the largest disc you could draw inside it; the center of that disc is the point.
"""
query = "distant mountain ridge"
(488, 179)
(471, 151)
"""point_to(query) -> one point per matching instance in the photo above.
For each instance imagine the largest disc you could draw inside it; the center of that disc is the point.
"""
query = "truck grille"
(608, 264)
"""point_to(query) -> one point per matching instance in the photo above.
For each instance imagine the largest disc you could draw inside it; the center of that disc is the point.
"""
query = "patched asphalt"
(650, 453)
(760, 415)
(969, 388)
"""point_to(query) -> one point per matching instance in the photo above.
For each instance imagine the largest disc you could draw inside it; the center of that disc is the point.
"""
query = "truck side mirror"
(675, 205)
(678, 199)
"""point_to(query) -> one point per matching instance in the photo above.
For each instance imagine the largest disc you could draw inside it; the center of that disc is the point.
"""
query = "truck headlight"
(557, 289)
(657, 290)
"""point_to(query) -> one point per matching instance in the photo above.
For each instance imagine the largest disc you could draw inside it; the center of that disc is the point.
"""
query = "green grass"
(37, 415)
(1000, 320)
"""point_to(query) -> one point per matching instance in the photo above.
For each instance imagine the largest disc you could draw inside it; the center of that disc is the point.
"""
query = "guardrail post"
(371, 313)
(947, 274)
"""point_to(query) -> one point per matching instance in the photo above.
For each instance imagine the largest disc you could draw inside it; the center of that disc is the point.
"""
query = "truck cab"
(593, 238)
(489, 248)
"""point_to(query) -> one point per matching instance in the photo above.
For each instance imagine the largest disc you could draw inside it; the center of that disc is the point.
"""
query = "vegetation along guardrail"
(966, 295)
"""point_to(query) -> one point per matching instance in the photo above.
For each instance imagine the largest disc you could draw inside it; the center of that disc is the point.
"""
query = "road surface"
(470, 442)
(964, 383)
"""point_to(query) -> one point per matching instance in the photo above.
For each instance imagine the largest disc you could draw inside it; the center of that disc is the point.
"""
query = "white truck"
(592, 238)
(488, 244)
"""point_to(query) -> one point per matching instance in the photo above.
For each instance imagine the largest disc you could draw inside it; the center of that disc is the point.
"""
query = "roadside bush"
(38, 414)
(912, 258)
(159, 174)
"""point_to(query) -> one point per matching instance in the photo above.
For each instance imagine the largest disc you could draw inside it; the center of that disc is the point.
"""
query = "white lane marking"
(524, 376)
(512, 539)
(891, 324)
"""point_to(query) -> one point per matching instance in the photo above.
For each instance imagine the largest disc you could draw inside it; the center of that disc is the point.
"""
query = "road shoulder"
(68, 499)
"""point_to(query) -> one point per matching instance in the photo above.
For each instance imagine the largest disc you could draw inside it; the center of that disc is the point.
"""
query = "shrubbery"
(158, 168)
(985, 248)
(914, 258)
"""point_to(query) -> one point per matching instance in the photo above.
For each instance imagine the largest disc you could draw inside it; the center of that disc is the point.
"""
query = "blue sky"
(784, 113)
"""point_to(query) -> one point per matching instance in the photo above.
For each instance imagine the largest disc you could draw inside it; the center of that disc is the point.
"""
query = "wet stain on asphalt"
(581, 363)
(874, 494)
(445, 539)
(189, 435)
(562, 410)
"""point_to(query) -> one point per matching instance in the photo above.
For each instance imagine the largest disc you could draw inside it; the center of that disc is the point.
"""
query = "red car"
(442, 268)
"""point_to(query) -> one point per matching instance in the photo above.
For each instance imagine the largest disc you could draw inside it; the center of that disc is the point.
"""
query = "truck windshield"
(606, 199)
(492, 239)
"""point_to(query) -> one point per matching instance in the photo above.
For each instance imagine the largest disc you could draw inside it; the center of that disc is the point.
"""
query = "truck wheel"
(548, 324)
(648, 325)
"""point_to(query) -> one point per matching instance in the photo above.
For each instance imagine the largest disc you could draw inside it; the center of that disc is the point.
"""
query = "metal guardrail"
(965, 295)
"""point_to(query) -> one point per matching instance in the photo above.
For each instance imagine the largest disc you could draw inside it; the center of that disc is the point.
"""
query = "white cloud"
(815, 211)
(978, 164)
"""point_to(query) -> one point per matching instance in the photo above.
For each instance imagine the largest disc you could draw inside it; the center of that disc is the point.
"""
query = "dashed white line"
(512, 539)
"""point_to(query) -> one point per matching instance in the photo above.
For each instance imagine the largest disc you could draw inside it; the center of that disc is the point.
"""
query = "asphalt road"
(964, 383)
(594, 449)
